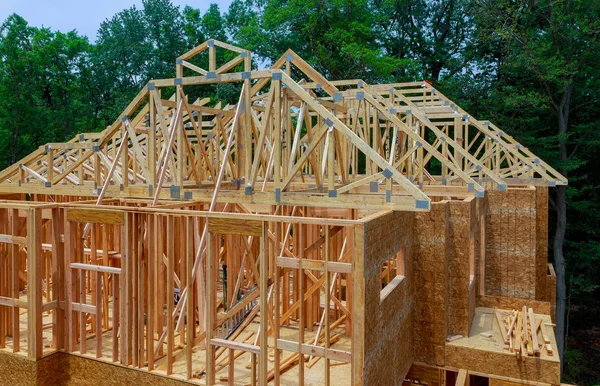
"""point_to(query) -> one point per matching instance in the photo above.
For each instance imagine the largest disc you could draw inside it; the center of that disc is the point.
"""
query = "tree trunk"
(436, 69)
(561, 226)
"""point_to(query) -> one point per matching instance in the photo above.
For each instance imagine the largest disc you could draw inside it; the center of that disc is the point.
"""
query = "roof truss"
(285, 142)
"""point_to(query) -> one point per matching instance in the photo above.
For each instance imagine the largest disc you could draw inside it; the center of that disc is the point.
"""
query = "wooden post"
(211, 266)
(327, 300)
(170, 293)
(191, 322)
(247, 123)
(331, 160)
(70, 338)
(152, 284)
(34, 283)
(15, 281)
(151, 153)
(276, 84)
(253, 369)
(124, 293)
(180, 134)
(58, 278)
(98, 314)
(80, 173)
(116, 319)
(264, 323)
(302, 300)
(277, 300)
(124, 158)
(458, 138)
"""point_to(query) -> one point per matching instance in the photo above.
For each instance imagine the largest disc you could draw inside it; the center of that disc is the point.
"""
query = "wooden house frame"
(316, 232)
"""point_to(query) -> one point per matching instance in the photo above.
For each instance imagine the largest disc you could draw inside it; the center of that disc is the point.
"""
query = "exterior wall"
(358, 306)
(541, 250)
(388, 328)
(551, 290)
(431, 254)
(445, 295)
(511, 243)
(506, 303)
(64, 369)
(462, 240)
(503, 364)
(545, 275)
(17, 370)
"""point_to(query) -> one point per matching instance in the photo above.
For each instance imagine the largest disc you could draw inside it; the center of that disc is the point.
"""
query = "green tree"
(192, 27)
(42, 97)
(436, 33)
(213, 24)
(164, 28)
(17, 77)
(545, 60)
(334, 36)
(136, 45)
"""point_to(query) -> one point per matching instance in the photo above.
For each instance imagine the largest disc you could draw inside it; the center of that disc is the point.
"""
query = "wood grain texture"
(96, 216)
(235, 227)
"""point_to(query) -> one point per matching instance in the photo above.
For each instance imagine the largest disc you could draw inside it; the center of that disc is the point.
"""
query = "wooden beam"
(461, 378)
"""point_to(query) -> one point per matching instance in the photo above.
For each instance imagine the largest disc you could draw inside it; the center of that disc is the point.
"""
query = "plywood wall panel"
(511, 262)
(541, 238)
(17, 370)
(503, 364)
(388, 321)
(462, 232)
(431, 273)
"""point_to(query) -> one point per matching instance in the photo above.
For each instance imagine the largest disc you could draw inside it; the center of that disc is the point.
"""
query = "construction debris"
(519, 330)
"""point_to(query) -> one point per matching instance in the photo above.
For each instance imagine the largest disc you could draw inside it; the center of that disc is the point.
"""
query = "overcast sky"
(84, 16)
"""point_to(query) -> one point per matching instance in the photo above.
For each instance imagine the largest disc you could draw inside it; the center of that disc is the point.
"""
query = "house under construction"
(317, 232)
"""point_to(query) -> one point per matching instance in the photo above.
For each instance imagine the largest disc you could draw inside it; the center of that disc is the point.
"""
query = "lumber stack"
(519, 329)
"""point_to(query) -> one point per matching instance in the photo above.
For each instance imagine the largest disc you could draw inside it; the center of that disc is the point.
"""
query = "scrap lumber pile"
(519, 331)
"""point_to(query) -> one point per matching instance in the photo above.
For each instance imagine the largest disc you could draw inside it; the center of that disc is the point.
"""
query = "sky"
(84, 16)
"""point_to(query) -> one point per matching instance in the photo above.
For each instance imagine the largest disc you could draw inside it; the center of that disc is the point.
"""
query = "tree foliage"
(43, 96)
(547, 55)
(336, 37)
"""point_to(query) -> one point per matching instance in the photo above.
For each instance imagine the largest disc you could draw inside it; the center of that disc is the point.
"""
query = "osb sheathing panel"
(514, 304)
(385, 236)
(85, 371)
(20, 370)
(511, 243)
(500, 382)
(431, 252)
(462, 224)
(358, 306)
(65, 369)
(55, 369)
(480, 240)
(541, 235)
(503, 364)
(17, 370)
(551, 289)
(388, 323)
